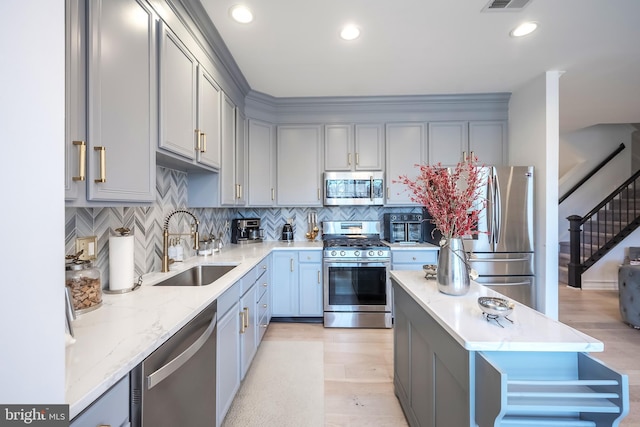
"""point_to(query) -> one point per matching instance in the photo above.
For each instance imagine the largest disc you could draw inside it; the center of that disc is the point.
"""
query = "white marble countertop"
(411, 246)
(113, 339)
(462, 318)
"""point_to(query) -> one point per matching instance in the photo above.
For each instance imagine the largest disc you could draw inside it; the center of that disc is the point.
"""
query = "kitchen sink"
(200, 275)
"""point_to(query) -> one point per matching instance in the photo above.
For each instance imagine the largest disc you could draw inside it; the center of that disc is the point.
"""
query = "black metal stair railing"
(606, 225)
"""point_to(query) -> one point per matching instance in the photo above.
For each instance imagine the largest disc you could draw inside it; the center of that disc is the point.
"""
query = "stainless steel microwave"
(353, 188)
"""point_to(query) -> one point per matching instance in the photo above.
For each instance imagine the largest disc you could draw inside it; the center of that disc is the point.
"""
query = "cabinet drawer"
(228, 299)
(262, 306)
(262, 287)
(112, 408)
(421, 257)
(263, 323)
(310, 256)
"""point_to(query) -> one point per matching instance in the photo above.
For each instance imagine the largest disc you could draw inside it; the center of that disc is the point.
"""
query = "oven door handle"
(159, 375)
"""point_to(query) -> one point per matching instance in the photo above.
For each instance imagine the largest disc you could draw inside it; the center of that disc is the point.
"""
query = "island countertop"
(463, 319)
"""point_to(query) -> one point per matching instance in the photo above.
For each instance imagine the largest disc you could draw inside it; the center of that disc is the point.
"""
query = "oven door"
(356, 286)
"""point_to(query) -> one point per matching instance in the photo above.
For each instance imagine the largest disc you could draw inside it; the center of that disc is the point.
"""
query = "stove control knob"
(380, 253)
(342, 253)
(357, 253)
(333, 253)
(371, 253)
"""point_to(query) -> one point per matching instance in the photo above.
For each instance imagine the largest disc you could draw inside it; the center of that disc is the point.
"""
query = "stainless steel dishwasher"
(176, 384)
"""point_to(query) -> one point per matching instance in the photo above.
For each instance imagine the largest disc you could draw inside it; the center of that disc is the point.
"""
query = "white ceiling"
(426, 47)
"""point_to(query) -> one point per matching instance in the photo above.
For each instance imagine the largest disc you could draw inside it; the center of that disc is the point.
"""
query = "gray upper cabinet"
(452, 142)
(233, 169)
(121, 101)
(208, 132)
(488, 140)
(190, 104)
(262, 163)
(298, 165)
(178, 95)
(353, 147)
(406, 147)
(75, 102)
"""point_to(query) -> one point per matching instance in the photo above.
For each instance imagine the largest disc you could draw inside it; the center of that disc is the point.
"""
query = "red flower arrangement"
(451, 197)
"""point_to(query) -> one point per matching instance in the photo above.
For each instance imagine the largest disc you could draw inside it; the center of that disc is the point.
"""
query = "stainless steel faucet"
(165, 237)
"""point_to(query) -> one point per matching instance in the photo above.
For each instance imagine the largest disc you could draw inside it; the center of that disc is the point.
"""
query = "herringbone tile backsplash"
(146, 222)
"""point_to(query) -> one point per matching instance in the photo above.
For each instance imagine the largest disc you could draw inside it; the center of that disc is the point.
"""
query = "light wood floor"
(358, 363)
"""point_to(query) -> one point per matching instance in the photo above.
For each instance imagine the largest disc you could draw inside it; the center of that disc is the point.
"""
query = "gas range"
(353, 240)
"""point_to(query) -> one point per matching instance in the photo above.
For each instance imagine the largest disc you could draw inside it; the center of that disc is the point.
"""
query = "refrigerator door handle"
(497, 209)
(498, 259)
(490, 209)
(528, 282)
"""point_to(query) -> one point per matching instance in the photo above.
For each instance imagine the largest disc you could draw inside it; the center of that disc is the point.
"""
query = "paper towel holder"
(124, 231)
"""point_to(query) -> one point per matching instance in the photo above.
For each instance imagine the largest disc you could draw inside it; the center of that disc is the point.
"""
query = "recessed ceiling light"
(350, 32)
(241, 14)
(524, 29)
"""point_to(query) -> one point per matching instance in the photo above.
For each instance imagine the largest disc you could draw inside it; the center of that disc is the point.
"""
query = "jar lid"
(77, 264)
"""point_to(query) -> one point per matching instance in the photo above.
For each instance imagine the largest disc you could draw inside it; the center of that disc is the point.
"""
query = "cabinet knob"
(264, 305)
(264, 285)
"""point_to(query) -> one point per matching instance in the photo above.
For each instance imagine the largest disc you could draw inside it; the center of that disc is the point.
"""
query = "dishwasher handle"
(158, 376)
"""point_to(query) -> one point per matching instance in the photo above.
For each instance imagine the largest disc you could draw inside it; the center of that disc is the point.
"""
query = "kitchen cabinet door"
(488, 141)
(112, 408)
(227, 360)
(261, 177)
(310, 283)
(75, 181)
(298, 165)
(232, 168)
(209, 98)
(353, 147)
(248, 321)
(448, 142)
(406, 147)
(284, 289)
(178, 83)
(121, 101)
(369, 147)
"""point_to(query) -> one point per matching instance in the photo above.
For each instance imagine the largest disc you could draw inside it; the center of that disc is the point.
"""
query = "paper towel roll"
(121, 264)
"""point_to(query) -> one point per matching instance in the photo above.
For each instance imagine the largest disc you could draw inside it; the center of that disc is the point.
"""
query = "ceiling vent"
(506, 5)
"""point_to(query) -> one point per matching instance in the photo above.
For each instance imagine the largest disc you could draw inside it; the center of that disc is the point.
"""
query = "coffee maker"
(246, 230)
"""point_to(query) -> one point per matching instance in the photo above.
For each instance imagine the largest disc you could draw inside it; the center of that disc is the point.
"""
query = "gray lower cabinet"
(310, 283)
(432, 372)
(413, 259)
(227, 350)
(110, 158)
(243, 318)
(110, 409)
(297, 284)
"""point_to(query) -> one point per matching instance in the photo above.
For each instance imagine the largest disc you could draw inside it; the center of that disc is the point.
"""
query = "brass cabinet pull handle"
(242, 322)
(318, 194)
(273, 194)
(291, 264)
(318, 277)
(464, 157)
(204, 142)
(103, 164)
(349, 159)
(357, 159)
(471, 155)
(387, 192)
(82, 164)
(198, 134)
(246, 317)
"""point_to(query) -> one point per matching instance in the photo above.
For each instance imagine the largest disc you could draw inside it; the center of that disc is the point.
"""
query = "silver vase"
(453, 273)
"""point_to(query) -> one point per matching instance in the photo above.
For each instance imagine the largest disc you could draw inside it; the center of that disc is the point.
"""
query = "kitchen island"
(455, 367)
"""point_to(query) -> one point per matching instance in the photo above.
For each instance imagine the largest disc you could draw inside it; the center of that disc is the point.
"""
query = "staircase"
(608, 224)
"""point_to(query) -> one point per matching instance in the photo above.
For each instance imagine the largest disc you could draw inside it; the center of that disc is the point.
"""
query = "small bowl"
(495, 306)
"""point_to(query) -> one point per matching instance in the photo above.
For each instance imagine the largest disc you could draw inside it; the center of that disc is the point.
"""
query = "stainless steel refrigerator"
(502, 253)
